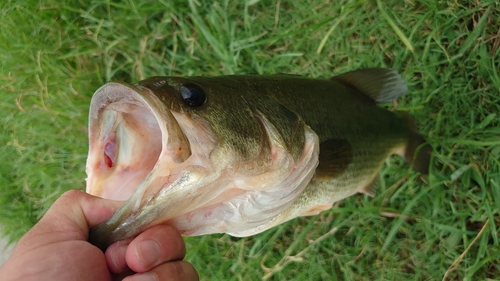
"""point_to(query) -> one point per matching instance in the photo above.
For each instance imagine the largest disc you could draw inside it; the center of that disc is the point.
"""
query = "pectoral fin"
(371, 188)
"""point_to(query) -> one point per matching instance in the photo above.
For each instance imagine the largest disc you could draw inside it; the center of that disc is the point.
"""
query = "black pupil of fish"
(192, 95)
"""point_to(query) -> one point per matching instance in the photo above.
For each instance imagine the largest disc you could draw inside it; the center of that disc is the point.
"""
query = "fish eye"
(192, 95)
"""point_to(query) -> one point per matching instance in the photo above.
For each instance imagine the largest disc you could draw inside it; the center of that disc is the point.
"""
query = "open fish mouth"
(168, 167)
(124, 126)
(130, 134)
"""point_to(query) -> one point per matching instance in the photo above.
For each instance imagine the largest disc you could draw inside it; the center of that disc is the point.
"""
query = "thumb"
(71, 216)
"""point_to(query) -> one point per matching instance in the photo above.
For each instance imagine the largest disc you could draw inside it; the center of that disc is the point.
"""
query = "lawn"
(55, 54)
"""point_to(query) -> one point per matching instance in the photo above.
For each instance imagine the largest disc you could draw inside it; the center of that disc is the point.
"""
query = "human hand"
(56, 248)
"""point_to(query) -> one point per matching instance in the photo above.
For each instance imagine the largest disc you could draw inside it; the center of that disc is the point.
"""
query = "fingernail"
(148, 252)
(148, 276)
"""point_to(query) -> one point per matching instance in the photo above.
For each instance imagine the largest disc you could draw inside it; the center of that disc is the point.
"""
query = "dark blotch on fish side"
(335, 155)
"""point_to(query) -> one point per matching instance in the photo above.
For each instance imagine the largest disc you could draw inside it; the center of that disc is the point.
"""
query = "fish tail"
(418, 151)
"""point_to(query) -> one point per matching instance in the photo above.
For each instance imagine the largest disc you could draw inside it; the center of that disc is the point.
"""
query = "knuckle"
(69, 197)
(71, 194)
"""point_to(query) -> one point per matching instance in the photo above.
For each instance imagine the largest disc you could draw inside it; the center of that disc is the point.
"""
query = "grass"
(54, 54)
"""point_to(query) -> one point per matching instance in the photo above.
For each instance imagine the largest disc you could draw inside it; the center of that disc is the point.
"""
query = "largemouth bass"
(241, 154)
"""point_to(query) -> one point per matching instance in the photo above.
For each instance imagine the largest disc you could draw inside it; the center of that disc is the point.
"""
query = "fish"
(241, 154)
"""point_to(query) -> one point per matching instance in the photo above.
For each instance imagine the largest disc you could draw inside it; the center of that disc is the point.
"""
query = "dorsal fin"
(335, 155)
(378, 84)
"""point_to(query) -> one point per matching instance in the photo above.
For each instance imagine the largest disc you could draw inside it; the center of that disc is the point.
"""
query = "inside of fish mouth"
(130, 149)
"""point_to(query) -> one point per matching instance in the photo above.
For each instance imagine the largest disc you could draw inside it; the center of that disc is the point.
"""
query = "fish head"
(203, 154)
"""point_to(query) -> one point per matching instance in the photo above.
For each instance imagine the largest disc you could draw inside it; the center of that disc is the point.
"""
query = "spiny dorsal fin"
(335, 155)
(379, 84)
